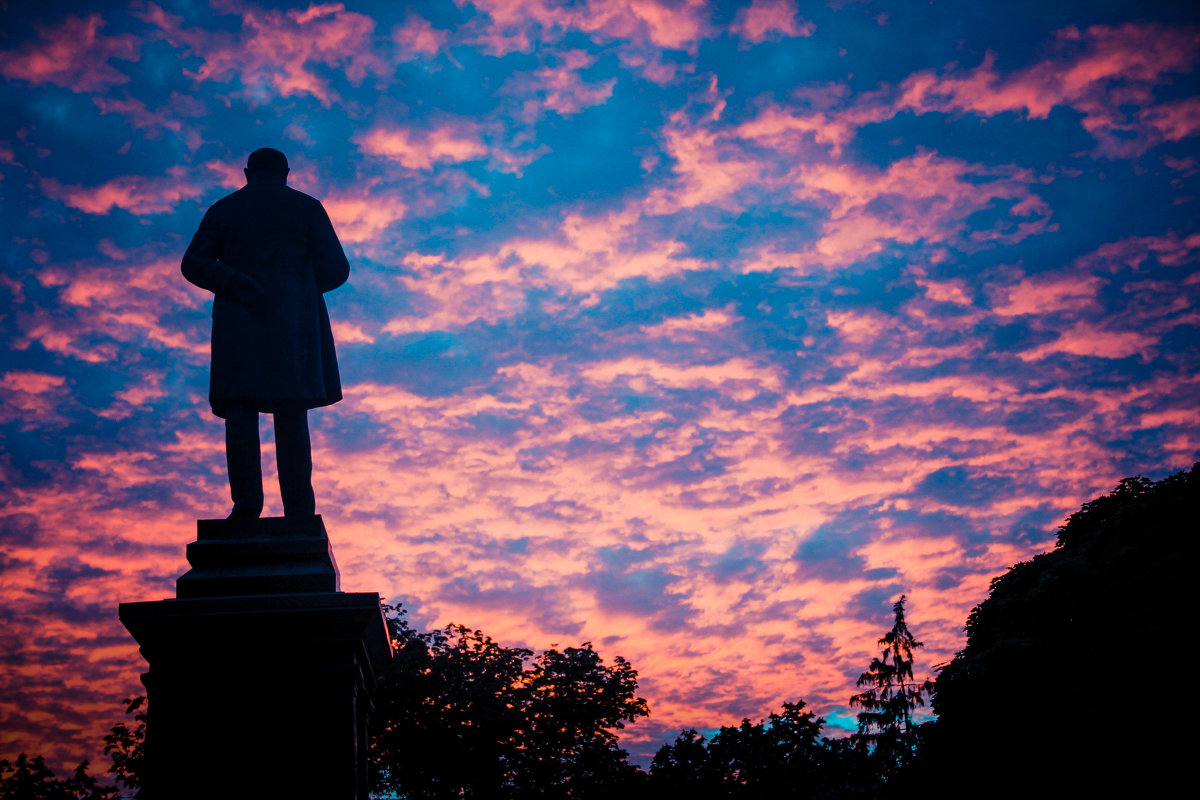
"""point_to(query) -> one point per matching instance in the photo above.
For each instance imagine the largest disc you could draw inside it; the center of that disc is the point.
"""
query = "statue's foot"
(242, 512)
(304, 511)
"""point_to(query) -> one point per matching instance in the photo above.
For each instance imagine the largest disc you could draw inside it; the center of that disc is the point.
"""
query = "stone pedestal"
(260, 670)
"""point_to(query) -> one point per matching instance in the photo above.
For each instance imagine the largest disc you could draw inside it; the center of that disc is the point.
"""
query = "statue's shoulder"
(300, 198)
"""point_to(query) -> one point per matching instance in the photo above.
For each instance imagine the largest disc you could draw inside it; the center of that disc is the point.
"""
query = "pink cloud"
(1169, 249)
(710, 168)
(559, 89)
(1098, 71)
(33, 399)
(417, 37)
(770, 19)
(134, 193)
(640, 26)
(782, 128)
(135, 111)
(273, 52)
(229, 175)
(922, 198)
(111, 303)
(1088, 339)
(1173, 121)
(691, 329)
(1108, 74)
(73, 54)
(675, 25)
(1050, 294)
(349, 333)
(360, 216)
(170, 117)
(449, 143)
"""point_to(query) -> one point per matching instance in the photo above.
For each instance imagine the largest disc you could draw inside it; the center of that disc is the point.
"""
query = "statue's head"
(266, 164)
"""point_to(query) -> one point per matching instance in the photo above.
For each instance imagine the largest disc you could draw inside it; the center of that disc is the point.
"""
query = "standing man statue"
(268, 253)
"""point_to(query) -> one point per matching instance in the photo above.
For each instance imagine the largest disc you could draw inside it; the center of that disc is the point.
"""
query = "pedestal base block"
(259, 695)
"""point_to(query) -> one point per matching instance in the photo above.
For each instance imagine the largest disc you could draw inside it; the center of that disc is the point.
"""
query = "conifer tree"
(885, 722)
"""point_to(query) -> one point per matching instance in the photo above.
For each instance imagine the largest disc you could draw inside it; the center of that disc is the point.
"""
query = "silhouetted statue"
(268, 253)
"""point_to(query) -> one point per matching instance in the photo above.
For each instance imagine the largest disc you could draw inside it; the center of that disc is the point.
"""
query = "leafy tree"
(885, 722)
(1069, 666)
(31, 779)
(573, 704)
(445, 714)
(783, 756)
(459, 715)
(683, 767)
(126, 747)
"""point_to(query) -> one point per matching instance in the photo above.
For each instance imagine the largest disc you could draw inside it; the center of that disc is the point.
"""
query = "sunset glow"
(698, 331)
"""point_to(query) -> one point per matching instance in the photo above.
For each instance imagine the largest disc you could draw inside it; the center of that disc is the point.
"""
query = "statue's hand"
(245, 290)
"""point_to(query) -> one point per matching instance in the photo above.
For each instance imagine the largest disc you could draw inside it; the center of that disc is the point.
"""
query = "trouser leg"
(242, 458)
(293, 452)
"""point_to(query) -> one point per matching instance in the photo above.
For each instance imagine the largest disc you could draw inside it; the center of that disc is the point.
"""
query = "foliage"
(1063, 658)
(459, 715)
(885, 722)
(31, 779)
(783, 756)
(766, 759)
(126, 747)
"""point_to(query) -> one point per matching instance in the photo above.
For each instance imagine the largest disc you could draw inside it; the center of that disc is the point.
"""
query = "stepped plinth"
(260, 669)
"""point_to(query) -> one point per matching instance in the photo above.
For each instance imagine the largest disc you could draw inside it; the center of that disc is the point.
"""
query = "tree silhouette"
(1070, 663)
(126, 747)
(459, 715)
(572, 705)
(783, 756)
(683, 767)
(30, 779)
(885, 722)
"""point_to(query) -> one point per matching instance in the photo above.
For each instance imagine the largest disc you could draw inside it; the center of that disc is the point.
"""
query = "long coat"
(275, 352)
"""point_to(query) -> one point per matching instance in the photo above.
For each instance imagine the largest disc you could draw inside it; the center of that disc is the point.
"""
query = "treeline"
(1061, 690)
(461, 716)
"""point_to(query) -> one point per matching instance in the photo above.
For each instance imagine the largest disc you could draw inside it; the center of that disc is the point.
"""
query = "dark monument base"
(261, 671)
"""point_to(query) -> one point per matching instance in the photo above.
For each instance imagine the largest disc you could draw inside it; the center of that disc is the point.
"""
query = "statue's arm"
(201, 263)
(332, 267)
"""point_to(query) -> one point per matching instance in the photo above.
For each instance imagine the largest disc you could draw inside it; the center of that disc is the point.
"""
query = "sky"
(698, 331)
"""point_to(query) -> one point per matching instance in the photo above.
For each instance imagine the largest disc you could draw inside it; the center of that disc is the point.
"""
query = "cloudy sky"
(700, 331)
